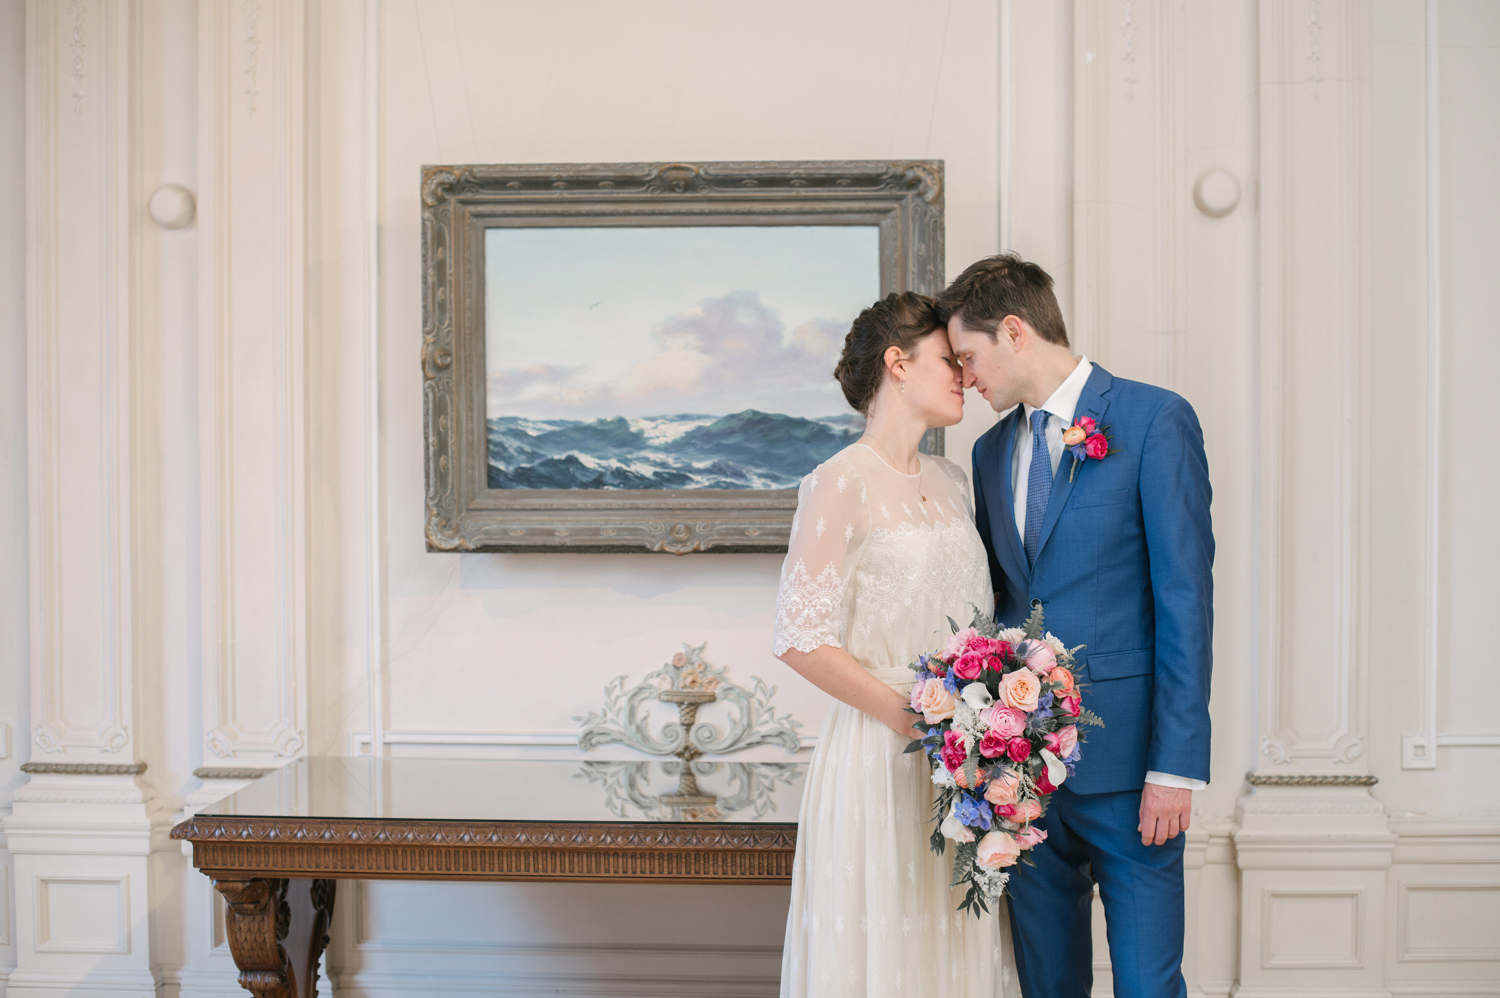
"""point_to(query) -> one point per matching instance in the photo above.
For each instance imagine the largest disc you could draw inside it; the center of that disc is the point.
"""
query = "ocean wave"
(745, 450)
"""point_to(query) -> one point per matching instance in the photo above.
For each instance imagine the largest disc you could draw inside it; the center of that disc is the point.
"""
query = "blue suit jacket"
(1125, 567)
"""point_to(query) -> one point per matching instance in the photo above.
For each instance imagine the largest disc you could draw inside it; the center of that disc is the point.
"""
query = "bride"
(883, 550)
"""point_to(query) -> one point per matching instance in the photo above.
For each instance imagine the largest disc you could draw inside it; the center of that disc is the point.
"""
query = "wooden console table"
(276, 849)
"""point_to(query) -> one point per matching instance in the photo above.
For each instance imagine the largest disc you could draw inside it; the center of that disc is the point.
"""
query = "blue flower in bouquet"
(973, 812)
(950, 682)
(1044, 702)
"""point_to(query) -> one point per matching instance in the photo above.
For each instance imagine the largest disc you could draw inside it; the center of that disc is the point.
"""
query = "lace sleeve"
(960, 483)
(830, 526)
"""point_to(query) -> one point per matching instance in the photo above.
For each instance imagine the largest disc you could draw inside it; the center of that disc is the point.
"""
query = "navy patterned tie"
(1038, 483)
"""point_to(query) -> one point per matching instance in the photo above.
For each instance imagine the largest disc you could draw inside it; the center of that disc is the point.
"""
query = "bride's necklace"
(891, 462)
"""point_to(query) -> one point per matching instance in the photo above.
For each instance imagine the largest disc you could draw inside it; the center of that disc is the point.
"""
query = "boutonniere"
(1086, 439)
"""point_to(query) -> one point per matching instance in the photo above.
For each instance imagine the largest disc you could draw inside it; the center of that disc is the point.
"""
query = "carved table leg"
(277, 930)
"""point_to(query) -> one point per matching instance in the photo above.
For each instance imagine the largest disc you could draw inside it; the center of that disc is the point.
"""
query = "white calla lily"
(976, 695)
(954, 829)
(1056, 770)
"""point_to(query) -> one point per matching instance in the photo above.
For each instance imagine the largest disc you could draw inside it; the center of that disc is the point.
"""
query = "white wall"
(14, 592)
(1300, 325)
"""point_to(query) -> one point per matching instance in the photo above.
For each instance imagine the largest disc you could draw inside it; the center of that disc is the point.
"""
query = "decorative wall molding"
(1257, 780)
(1419, 751)
(252, 331)
(79, 397)
(1314, 314)
(1131, 193)
(83, 768)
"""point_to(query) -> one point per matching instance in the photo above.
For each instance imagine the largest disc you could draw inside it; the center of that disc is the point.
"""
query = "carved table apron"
(278, 872)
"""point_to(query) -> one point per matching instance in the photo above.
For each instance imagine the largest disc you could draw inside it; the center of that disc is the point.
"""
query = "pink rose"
(1097, 446)
(1071, 706)
(1063, 741)
(1004, 785)
(1065, 677)
(1089, 426)
(1019, 749)
(998, 849)
(992, 745)
(1029, 809)
(916, 694)
(1039, 657)
(1020, 689)
(1007, 721)
(959, 643)
(954, 751)
(935, 702)
(1030, 836)
(969, 666)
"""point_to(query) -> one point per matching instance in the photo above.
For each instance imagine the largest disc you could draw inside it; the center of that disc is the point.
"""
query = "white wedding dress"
(875, 570)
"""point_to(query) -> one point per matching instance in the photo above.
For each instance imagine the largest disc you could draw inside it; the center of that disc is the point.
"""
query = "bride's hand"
(902, 721)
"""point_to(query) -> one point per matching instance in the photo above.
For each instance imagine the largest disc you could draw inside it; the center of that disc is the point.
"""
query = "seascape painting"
(669, 357)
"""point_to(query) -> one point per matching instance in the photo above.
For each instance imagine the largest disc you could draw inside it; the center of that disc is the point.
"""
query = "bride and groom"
(888, 543)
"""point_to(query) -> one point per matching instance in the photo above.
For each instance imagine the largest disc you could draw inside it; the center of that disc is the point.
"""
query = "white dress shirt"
(1060, 407)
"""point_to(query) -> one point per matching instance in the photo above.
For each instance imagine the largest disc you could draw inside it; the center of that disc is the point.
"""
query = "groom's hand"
(1165, 811)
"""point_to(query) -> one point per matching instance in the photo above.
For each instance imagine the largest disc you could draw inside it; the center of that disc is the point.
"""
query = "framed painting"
(639, 357)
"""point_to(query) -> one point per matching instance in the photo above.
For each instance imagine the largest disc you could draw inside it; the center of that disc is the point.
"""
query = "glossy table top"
(584, 791)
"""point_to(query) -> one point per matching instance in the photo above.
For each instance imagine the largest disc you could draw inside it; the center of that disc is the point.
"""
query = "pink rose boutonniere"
(1086, 440)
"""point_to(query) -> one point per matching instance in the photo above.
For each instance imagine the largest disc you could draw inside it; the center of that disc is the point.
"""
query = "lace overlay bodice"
(873, 569)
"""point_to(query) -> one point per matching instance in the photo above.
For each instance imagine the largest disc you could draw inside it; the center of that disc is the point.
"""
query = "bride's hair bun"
(899, 319)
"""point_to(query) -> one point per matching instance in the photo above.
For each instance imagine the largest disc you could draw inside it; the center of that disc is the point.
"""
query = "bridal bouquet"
(1003, 712)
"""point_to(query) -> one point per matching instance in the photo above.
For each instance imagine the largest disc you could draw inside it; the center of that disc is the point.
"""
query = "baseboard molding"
(384, 985)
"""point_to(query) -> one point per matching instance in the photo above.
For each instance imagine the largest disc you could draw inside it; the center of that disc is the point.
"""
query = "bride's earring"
(901, 387)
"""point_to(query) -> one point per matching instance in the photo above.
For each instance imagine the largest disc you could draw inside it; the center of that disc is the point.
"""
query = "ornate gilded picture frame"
(638, 356)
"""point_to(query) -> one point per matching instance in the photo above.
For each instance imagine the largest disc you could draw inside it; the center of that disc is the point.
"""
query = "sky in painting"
(584, 323)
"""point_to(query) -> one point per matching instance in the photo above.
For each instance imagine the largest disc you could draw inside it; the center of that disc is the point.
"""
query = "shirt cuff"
(1180, 782)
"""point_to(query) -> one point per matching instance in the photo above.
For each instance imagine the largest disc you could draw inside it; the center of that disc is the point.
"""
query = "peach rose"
(1020, 689)
(936, 703)
(1003, 788)
(998, 849)
(1029, 809)
(1064, 676)
(1074, 435)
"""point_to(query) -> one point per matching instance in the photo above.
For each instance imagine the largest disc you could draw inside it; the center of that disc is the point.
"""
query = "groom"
(1118, 550)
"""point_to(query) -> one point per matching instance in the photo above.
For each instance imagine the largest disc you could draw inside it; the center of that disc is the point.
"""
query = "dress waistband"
(894, 677)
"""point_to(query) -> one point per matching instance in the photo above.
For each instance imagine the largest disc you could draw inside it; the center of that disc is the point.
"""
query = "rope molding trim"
(211, 773)
(1256, 780)
(83, 768)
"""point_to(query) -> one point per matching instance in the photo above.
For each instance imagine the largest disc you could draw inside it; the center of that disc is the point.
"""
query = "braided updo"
(899, 319)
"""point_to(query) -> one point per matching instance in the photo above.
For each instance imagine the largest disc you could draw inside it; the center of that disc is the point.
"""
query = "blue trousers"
(1093, 837)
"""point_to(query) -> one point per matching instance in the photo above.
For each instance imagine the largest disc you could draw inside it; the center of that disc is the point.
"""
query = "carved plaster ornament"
(172, 206)
(1216, 193)
(688, 681)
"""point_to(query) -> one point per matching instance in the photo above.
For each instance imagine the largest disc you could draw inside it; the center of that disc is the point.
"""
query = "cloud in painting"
(511, 383)
(726, 353)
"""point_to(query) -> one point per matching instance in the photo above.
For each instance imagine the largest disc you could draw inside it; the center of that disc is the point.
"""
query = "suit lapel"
(1011, 554)
(1091, 403)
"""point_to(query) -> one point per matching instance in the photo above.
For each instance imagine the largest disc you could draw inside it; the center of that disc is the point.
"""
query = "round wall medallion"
(172, 206)
(1216, 193)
